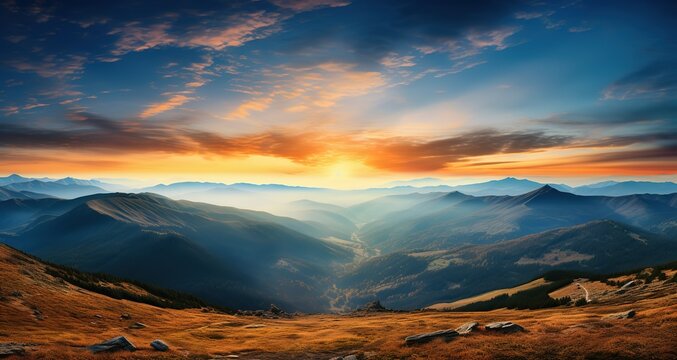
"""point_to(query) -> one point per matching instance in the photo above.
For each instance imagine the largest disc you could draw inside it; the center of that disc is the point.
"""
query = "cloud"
(309, 88)
(232, 32)
(246, 108)
(658, 114)
(655, 80)
(51, 66)
(395, 61)
(401, 154)
(307, 5)
(172, 102)
(241, 29)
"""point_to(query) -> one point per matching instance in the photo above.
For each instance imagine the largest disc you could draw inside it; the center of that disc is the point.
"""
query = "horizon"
(137, 184)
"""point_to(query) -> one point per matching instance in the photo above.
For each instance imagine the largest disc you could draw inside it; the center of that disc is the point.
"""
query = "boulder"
(467, 328)
(425, 337)
(373, 306)
(627, 286)
(503, 327)
(159, 345)
(137, 325)
(114, 344)
(275, 310)
(11, 348)
(622, 315)
(125, 316)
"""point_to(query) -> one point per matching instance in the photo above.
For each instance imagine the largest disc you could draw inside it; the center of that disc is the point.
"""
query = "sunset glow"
(339, 93)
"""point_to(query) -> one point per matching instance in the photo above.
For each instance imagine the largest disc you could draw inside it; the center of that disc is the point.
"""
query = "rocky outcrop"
(622, 315)
(373, 306)
(9, 349)
(503, 327)
(159, 345)
(425, 337)
(467, 328)
(114, 344)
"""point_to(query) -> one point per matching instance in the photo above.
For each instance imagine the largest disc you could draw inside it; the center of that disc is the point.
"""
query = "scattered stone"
(98, 316)
(627, 286)
(9, 349)
(232, 356)
(254, 326)
(467, 328)
(348, 357)
(137, 325)
(114, 344)
(125, 316)
(159, 345)
(622, 315)
(37, 313)
(275, 310)
(16, 293)
(503, 327)
(425, 337)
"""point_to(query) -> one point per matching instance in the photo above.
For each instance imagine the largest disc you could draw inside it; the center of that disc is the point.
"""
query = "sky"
(339, 93)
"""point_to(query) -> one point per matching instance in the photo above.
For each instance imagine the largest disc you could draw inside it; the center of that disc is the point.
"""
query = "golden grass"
(488, 295)
(70, 324)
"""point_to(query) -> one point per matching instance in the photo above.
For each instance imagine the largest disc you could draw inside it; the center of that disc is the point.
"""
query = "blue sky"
(339, 90)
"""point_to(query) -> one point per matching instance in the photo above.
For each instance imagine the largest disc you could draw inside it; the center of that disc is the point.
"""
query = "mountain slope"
(420, 278)
(441, 223)
(230, 259)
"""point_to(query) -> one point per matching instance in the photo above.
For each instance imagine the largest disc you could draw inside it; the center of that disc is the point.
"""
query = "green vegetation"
(580, 302)
(159, 297)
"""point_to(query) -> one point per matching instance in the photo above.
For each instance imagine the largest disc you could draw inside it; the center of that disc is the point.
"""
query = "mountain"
(380, 207)
(229, 257)
(92, 182)
(14, 178)
(612, 188)
(414, 279)
(457, 219)
(61, 190)
(428, 181)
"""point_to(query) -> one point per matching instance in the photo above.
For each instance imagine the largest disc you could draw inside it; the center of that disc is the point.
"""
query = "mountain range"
(406, 247)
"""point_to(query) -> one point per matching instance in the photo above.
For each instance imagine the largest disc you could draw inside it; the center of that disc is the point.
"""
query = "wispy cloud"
(173, 101)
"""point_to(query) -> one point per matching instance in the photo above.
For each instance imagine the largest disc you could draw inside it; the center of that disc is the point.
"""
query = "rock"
(9, 349)
(503, 327)
(137, 325)
(254, 326)
(275, 310)
(125, 316)
(114, 344)
(467, 328)
(622, 315)
(373, 306)
(16, 294)
(627, 285)
(159, 345)
(425, 337)
(98, 316)
(348, 357)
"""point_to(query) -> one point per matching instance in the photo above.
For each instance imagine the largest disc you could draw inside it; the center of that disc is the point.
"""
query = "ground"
(59, 320)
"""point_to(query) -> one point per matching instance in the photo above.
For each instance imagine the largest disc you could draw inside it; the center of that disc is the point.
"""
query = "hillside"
(51, 317)
(457, 219)
(417, 279)
(229, 257)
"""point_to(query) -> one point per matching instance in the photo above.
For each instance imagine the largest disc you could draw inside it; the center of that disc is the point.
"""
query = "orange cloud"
(171, 103)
